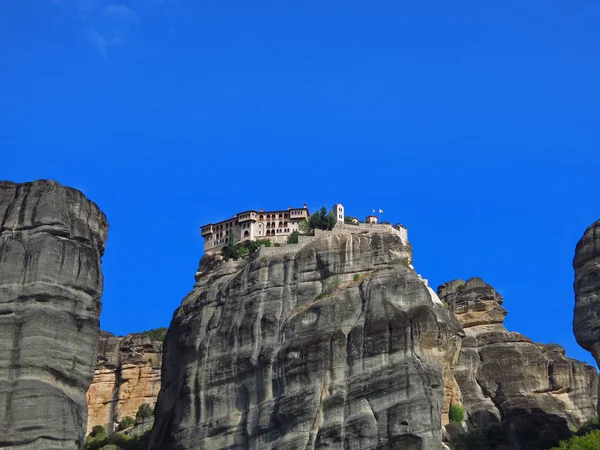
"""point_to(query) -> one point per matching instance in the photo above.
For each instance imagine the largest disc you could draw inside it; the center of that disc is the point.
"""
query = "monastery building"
(250, 225)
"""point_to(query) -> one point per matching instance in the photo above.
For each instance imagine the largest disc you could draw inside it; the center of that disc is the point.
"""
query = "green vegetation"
(98, 439)
(143, 412)
(349, 220)
(257, 243)
(492, 438)
(320, 220)
(276, 244)
(98, 430)
(231, 250)
(590, 425)
(589, 441)
(304, 228)
(530, 435)
(243, 248)
(461, 287)
(125, 423)
(586, 438)
(138, 442)
(457, 412)
(444, 304)
(158, 334)
(356, 277)
(293, 239)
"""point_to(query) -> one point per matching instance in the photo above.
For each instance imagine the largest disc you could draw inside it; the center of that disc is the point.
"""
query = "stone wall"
(342, 228)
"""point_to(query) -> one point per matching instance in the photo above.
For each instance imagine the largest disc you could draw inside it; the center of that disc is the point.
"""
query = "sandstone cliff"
(334, 343)
(127, 375)
(530, 390)
(51, 242)
(586, 320)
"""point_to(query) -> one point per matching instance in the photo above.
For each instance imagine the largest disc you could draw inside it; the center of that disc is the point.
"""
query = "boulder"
(51, 243)
(532, 391)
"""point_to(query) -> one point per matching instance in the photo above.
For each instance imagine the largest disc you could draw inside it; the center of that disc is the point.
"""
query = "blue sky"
(473, 123)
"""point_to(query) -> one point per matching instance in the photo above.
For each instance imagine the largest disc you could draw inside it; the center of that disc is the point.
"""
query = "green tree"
(322, 220)
(230, 250)
(144, 411)
(125, 423)
(589, 441)
(349, 220)
(135, 442)
(590, 425)
(293, 239)
(456, 413)
(304, 227)
(97, 431)
(158, 334)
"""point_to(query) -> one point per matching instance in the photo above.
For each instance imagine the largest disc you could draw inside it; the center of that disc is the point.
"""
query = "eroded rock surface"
(586, 320)
(530, 390)
(51, 242)
(335, 344)
(127, 375)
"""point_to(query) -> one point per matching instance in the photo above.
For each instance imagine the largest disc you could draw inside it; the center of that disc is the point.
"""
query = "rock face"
(127, 375)
(333, 343)
(51, 242)
(531, 390)
(586, 321)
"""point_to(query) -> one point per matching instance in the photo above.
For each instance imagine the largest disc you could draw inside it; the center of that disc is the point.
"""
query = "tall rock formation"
(127, 375)
(530, 390)
(333, 343)
(51, 242)
(586, 321)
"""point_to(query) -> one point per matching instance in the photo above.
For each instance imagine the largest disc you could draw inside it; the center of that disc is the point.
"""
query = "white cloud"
(106, 24)
(98, 41)
(121, 13)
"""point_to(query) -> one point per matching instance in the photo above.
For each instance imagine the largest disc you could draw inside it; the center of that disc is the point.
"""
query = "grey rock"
(335, 344)
(586, 319)
(51, 242)
(531, 391)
